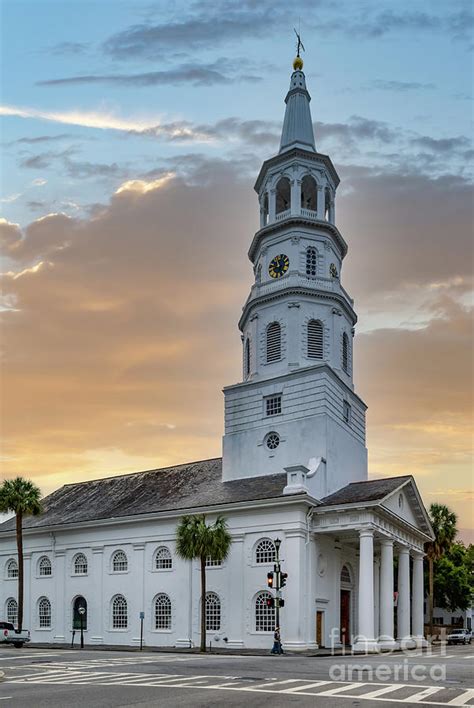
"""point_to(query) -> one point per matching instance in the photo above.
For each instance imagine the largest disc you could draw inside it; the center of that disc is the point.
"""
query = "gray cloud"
(68, 48)
(386, 85)
(442, 145)
(194, 74)
(42, 139)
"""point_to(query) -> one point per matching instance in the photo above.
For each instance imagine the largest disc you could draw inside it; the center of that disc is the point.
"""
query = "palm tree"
(443, 521)
(195, 539)
(21, 497)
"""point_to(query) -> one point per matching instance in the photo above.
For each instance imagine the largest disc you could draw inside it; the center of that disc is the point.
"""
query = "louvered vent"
(345, 352)
(315, 339)
(273, 342)
(247, 357)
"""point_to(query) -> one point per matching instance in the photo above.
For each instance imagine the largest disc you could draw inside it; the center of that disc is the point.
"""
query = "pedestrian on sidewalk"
(277, 648)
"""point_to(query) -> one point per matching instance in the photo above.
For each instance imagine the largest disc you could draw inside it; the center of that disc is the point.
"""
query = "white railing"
(283, 215)
(310, 214)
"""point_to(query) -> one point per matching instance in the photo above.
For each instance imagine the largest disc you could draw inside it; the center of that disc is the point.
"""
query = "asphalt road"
(41, 678)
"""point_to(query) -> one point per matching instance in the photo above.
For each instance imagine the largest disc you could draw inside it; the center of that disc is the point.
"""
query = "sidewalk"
(323, 652)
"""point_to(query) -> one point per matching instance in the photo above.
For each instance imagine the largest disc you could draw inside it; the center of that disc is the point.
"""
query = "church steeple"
(297, 125)
(296, 402)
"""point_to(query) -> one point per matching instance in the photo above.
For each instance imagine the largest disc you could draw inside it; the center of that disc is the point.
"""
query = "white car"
(459, 636)
(9, 635)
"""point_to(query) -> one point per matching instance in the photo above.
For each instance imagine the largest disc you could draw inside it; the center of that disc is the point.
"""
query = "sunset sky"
(132, 134)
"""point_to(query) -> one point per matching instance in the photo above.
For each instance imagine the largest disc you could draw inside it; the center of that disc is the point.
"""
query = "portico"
(376, 539)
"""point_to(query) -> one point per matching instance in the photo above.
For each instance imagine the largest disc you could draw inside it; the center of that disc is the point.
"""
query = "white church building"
(294, 467)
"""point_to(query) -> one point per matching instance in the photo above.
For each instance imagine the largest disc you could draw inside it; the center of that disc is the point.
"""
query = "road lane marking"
(382, 691)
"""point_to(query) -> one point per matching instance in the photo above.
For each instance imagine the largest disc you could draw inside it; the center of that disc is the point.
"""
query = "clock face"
(278, 266)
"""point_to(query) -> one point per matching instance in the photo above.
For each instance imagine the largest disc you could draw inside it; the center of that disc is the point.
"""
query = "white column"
(235, 625)
(403, 606)
(365, 640)
(61, 633)
(376, 596)
(418, 598)
(386, 595)
(295, 197)
(320, 203)
(271, 206)
(95, 601)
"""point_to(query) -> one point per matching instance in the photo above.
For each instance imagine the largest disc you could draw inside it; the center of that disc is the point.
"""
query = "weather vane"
(299, 43)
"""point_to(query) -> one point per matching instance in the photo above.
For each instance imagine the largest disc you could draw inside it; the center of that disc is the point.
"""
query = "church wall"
(237, 581)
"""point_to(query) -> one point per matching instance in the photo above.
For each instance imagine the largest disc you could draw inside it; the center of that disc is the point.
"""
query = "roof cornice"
(297, 291)
(296, 373)
(284, 224)
(227, 507)
(296, 153)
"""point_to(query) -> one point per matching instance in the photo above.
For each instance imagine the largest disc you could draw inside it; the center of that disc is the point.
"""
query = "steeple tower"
(297, 126)
(296, 403)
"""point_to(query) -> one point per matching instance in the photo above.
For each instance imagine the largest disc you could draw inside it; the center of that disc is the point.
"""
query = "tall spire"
(297, 125)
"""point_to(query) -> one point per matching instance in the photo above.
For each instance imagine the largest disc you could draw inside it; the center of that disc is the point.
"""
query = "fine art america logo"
(403, 671)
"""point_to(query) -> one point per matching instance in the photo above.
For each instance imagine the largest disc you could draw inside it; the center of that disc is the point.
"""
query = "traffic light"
(281, 602)
(270, 580)
(283, 577)
(270, 602)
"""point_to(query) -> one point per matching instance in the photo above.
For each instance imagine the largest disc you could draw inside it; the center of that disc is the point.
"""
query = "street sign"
(142, 615)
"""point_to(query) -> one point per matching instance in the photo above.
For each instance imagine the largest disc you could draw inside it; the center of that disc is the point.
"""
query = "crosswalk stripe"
(462, 699)
(382, 691)
(417, 697)
(295, 689)
(335, 691)
(271, 683)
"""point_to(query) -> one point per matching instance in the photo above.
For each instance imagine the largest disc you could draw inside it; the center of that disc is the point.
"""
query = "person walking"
(277, 648)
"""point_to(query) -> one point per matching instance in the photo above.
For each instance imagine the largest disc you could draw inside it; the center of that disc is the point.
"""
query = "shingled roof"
(370, 490)
(187, 486)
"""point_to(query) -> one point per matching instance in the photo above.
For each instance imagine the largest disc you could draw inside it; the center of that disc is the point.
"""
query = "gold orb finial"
(297, 63)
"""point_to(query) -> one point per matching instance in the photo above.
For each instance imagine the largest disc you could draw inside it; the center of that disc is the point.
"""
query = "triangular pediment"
(406, 503)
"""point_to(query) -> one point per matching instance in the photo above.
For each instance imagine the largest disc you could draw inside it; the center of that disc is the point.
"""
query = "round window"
(272, 441)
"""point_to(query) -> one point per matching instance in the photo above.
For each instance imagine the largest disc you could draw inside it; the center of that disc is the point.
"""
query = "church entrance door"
(345, 617)
(319, 628)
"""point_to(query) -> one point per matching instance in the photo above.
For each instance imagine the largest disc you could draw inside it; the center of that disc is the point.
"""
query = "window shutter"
(315, 339)
(273, 342)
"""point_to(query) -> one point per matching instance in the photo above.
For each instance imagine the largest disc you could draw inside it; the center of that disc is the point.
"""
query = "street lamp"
(277, 543)
(82, 612)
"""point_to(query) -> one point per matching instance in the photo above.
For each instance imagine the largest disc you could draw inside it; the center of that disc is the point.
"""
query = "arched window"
(80, 564)
(265, 551)
(162, 611)
(273, 342)
(119, 612)
(311, 262)
(327, 202)
(12, 611)
(309, 192)
(12, 568)
(264, 614)
(163, 559)
(213, 612)
(283, 195)
(315, 339)
(44, 566)
(44, 613)
(79, 602)
(265, 209)
(247, 357)
(345, 352)
(119, 562)
(345, 575)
